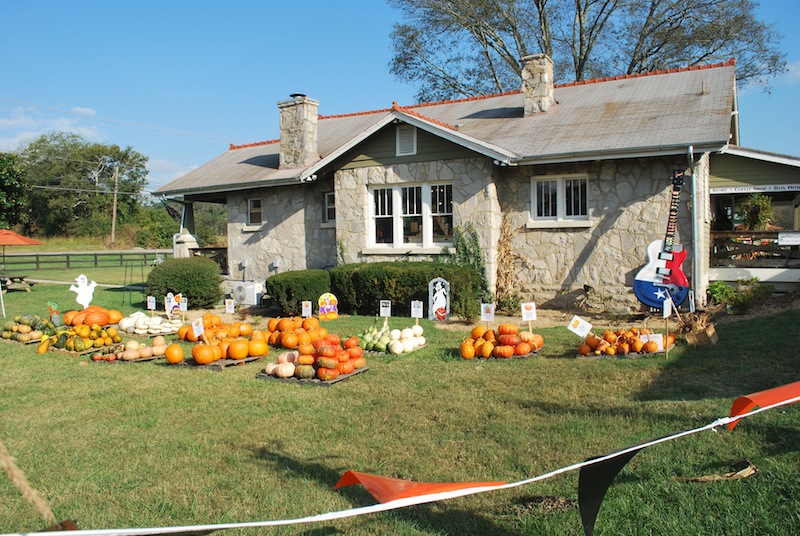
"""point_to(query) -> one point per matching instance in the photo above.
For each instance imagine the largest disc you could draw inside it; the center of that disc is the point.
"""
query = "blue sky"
(181, 80)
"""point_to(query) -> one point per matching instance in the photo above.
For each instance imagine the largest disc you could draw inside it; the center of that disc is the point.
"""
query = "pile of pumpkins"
(133, 350)
(220, 341)
(80, 337)
(393, 341)
(27, 328)
(504, 343)
(324, 358)
(623, 341)
(140, 323)
(94, 314)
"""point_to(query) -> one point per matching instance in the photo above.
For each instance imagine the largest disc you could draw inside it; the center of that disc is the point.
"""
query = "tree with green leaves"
(13, 190)
(452, 48)
(72, 184)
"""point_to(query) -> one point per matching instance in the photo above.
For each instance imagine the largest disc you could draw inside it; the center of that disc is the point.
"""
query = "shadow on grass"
(448, 521)
(751, 356)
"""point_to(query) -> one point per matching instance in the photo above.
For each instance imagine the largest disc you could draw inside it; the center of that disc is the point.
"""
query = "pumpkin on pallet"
(94, 314)
(506, 342)
(621, 342)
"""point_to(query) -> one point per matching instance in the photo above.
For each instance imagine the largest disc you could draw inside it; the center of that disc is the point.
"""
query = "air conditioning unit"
(248, 292)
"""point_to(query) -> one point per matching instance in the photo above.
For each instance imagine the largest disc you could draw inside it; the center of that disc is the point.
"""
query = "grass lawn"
(144, 444)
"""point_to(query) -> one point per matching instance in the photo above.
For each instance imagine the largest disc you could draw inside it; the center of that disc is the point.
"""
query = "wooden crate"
(708, 336)
(217, 365)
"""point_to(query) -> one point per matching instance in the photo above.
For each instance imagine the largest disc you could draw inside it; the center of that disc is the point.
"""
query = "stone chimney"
(537, 83)
(298, 131)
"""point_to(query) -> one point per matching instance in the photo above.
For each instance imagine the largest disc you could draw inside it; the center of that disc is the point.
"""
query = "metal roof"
(634, 115)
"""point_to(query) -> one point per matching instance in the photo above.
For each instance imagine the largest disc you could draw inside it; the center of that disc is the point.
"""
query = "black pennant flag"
(593, 482)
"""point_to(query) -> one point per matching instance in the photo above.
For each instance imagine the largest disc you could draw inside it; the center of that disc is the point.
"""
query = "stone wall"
(291, 237)
(628, 209)
(474, 199)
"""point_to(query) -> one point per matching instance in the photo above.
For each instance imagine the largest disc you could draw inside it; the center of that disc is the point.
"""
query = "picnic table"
(15, 282)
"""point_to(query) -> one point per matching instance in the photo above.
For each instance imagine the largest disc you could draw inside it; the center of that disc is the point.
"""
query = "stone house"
(577, 176)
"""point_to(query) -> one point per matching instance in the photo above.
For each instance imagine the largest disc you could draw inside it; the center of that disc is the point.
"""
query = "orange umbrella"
(10, 238)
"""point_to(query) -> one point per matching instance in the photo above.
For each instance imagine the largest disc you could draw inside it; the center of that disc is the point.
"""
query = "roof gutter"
(268, 183)
(610, 154)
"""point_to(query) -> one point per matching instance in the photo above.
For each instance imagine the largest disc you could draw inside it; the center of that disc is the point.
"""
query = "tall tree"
(13, 190)
(72, 183)
(452, 48)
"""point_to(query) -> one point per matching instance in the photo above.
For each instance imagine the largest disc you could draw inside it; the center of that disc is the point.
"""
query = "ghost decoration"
(84, 290)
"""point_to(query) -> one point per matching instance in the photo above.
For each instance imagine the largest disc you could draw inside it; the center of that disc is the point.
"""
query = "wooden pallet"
(138, 360)
(217, 365)
(312, 381)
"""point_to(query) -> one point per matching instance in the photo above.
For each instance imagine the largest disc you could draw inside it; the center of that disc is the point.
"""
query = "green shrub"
(748, 293)
(360, 287)
(196, 278)
(289, 289)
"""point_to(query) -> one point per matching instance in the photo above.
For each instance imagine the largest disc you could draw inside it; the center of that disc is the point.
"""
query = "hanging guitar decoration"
(663, 275)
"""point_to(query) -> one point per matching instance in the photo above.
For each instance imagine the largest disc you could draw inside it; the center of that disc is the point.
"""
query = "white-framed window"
(560, 200)
(329, 216)
(406, 140)
(411, 216)
(254, 212)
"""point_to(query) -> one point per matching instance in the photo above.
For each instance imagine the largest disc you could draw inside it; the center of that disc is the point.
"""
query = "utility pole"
(114, 206)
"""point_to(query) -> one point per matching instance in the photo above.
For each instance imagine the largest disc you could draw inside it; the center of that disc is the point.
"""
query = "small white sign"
(307, 310)
(487, 312)
(579, 326)
(197, 327)
(151, 303)
(386, 308)
(230, 306)
(789, 239)
(169, 303)
(666, 311)
(184, 304)
(658, 338)
(528, 311)
(691, 301)
(416, 309)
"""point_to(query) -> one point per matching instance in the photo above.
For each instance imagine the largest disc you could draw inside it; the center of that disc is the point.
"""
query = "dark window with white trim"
(560, 197)
(418, 215)
(330, 208)
(254, 212)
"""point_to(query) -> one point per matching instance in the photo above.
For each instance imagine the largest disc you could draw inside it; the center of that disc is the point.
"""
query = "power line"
(116, 123)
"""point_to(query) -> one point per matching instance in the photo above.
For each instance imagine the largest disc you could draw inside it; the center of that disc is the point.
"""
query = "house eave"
(225, 188)
(615, 154)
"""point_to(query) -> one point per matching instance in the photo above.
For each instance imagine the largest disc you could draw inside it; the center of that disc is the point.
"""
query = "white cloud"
(792, 75)
(85, 112)
(22, 125)
(162, 172)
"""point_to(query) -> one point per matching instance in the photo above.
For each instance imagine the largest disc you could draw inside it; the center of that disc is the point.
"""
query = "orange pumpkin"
(636, 345)
(311, 323)
(509, 339)
(114, 316)
(466, 350)
(174, 354)
(345, 367)
(478, 331)
(650, 347)
(272, 324)
(182, 331)
(203, 354)
(584, 349)
(537, 341)
(508, 329)
(257, 348)
(326, 374)
(305, 359)
(289, 340)
(239, 349)
(523, 348)
(486, 349)
(69, 316)
(305, 348)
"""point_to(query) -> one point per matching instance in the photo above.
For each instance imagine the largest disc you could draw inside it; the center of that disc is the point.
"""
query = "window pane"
(384, 231)
(442, 199)
(330, 207)
(412, 230)
(443, 228)
(575, 196)
(254, 211)
(383, 202)
(546, 199)
(412, 201)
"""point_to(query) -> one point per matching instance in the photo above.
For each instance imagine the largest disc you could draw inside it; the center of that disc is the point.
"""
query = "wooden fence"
(18, 262)
(752, 249)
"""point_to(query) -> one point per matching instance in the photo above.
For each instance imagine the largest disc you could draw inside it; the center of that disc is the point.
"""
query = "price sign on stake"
(229, 306)
(151, 303)
(528, 311)
(487, 312)
(184, 304)
(386, 308)
(416, 310)
(198, 329)
(579, 326)
(307, 311)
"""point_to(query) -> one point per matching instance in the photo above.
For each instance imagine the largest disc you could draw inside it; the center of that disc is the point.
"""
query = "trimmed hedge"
(196, 278)
(360, 287)
(289, 289)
